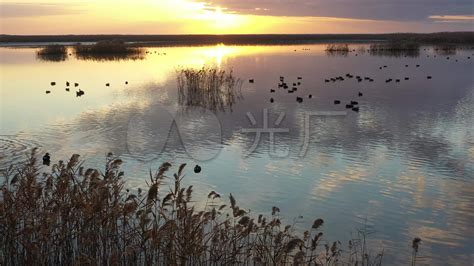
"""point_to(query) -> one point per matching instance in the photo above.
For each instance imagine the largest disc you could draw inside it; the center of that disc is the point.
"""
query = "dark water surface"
(403, 165)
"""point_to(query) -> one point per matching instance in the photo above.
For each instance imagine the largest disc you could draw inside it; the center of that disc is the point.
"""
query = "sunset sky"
(233, 16)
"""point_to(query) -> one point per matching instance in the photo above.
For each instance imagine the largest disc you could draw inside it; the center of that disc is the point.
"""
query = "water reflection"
(403, 163)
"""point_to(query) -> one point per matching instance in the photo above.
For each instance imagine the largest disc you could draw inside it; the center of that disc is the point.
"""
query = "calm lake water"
(403, 166)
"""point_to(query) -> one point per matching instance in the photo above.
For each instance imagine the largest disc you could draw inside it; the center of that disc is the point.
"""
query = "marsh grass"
(445, 49)
(208, 87)
(74, 215)
(396, 49)
(337, 49)
(108, 50)
(54, 53)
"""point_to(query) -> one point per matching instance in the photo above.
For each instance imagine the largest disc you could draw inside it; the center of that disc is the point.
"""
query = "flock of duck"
(154, 52)
(353, 105)
(79, 92)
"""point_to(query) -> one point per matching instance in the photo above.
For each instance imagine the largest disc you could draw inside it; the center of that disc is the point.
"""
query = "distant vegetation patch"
(445, 49)
(108, 50)
(394, 46)
(396, 49)
(52, 53)
(337, 47)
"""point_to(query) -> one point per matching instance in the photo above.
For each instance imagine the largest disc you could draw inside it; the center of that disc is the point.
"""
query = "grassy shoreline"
(459, 38)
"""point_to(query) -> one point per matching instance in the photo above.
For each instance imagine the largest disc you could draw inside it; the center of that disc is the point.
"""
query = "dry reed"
(108, 50)
(52, 53)
(208, 87)
(73, 215)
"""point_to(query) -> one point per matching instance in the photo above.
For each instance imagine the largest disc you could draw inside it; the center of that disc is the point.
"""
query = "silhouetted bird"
(272, 90)
(354, 103)
(429, 77)
(197, 169)
(407, 78)
(107, 84)
(251, 81)
(300, 78)
(67, 83)
(53, 83)
(67, 89)
(397, 80)
(417, 65)
(76, 84)
(361, 94)
(355, 109)
(337, 102)
(299, 99)
(349, 106)
(48, 92)
(46, 159)
(310, 96)
(79, 93)
(126, 82)
(271, 100)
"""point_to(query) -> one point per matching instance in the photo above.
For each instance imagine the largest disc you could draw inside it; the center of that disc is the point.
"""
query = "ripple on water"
(14, 150)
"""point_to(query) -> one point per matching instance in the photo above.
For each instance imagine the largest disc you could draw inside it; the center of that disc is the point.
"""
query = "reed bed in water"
(73, 215)
(395, 46)
(53, 52)
(208, 87)
(108, 50)
(395, 49)
(337, 47)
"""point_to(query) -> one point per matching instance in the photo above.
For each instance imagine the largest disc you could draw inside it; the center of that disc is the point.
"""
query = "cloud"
(400, 10)
(19, 10)
(466, 19)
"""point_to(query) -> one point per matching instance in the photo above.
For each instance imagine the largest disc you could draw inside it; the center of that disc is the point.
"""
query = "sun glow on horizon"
(181, 17)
